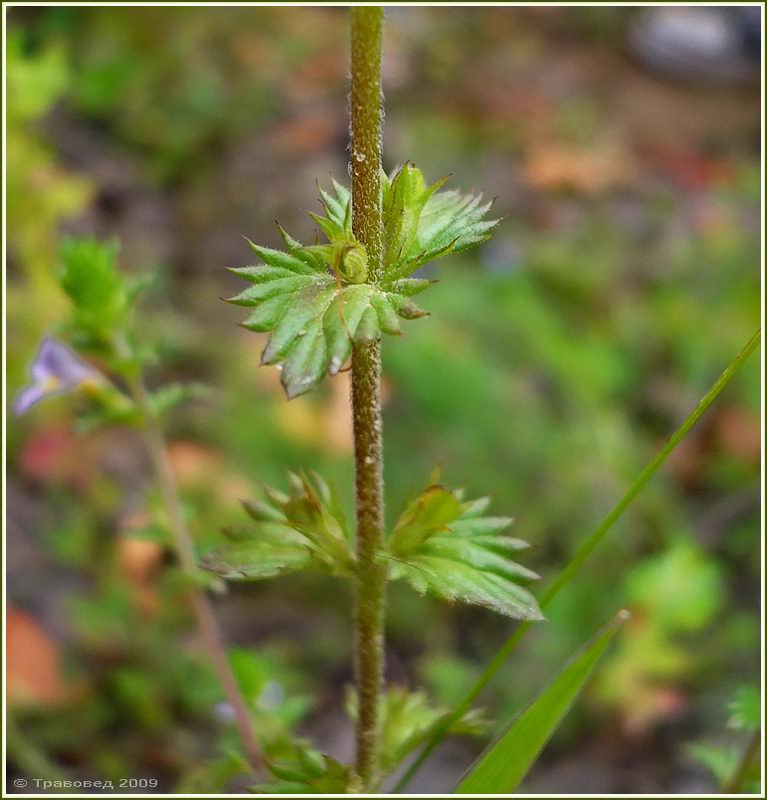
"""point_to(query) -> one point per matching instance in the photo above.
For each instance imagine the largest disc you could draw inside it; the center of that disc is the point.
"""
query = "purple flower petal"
(55, 370)
(27, 398)
(55, 359)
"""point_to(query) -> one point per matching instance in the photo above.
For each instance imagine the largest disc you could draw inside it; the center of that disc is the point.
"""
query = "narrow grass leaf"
(503, 766)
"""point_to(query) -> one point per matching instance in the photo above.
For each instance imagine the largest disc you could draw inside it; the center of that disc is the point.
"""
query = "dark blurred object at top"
(707, 45)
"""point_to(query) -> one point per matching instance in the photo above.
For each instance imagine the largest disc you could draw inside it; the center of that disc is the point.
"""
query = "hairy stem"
(366, 120)
(583, 551)
(366, 132)
(206, 620)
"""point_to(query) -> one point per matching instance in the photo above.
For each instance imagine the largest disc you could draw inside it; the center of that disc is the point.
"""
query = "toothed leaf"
(89, 275)
(406, 719)
(316, 300)
(745, 709)
(301, 530)
(309, 772)
(444, 546)
(422, 224)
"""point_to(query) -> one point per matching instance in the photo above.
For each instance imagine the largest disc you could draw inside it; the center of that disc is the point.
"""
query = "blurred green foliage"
(178, 88)
(737, 763)
(40, 191)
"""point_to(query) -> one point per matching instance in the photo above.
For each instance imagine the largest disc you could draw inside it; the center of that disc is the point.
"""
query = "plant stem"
(370, 579)
(735, 784)
(206, 619)
(366, 132)
(581, 554)
(366, 122)
(27, 757)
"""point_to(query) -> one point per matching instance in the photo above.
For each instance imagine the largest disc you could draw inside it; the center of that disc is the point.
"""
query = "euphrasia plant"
(102, 325)
(324, 304)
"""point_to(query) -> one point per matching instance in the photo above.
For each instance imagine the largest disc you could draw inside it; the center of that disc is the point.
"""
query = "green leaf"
(315, 300)
(167, 397)
(746, 709)
(107, 406)
(446, 547)
(503, 766)
(720, 760)
(303, 530)
(89, 275)
(37, 79)
(428, 514)
(313, 318)
(310, 772)
(421, 224)
(406, 718)
(680, 588)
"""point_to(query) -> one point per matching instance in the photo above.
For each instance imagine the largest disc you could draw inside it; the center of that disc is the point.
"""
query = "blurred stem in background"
(366, 122)
(27, 756)
(750, 754)
(581, 554)
(154, 439)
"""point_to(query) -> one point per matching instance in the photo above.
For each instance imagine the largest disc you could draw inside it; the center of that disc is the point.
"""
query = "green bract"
(445, 546)
(89, 275)
(422, 224)
(407, 717)
(302, 530)
(309, 772)
(745, 709)
(316, 300)
(441, 544)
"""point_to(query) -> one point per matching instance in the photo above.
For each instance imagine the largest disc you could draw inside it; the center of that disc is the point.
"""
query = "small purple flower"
(55, 370)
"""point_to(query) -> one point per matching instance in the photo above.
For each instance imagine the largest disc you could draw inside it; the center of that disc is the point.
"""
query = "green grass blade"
(504, 764)
(581, 554)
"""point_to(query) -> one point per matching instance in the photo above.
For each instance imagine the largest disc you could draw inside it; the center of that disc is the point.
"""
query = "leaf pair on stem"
(317, 300)
(441, 544)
